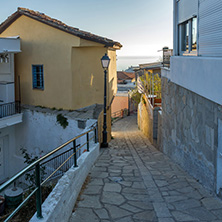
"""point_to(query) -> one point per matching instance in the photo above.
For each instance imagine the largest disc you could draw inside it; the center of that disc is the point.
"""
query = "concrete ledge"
(59, 204)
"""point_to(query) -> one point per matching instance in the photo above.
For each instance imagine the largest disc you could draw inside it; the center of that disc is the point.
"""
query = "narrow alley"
(133, 181)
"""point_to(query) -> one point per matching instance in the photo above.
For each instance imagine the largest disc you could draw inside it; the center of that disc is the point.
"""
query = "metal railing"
(119, 114)
(9, 109)
(64, 160)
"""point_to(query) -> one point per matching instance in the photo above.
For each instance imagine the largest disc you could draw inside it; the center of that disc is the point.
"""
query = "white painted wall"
(10, 44)
(38, 132)
(201, 75)
(7, 135)
(41, 132)
(187, 9)
(7, 70)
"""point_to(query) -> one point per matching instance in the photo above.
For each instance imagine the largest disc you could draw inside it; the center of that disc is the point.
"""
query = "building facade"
(191, 92)
(59, 65)
(10, 114)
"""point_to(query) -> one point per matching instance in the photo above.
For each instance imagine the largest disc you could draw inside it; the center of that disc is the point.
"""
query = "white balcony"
(10, 45)
(10, 114)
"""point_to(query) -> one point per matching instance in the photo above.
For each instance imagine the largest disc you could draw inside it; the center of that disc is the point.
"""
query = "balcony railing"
(54, 164)
(9, 109)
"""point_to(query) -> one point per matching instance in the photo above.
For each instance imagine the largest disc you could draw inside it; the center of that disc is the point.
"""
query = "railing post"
(87, 138)
(38, 192)
(75, 156)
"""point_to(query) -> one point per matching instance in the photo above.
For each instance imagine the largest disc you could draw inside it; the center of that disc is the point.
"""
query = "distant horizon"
(125, 62)
(138, 57)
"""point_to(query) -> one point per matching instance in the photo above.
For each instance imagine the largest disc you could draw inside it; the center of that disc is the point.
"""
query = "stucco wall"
(41, 44)
(88, 76)
(119, 103)
(73, 75)
(7, 69)
(190, 131)
(201, 75)
(7, 137)
(40, 133)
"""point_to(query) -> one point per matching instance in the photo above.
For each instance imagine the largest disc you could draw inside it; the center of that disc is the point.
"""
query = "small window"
(37, 77)
(188, 34)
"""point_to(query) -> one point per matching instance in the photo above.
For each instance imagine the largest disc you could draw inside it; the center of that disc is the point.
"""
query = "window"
(194, 34)
(37, 77)
(188, 36)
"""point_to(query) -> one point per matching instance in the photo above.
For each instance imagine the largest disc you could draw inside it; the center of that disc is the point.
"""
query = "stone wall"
(190, 131)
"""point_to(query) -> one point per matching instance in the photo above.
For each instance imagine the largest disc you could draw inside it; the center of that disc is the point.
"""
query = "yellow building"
(59, 65)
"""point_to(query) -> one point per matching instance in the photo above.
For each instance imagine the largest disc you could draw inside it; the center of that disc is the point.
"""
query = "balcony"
(10, 114)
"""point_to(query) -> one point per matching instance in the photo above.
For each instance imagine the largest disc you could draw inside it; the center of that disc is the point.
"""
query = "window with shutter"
(37, 77)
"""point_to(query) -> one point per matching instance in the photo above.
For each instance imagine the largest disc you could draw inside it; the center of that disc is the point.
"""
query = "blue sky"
(141, 26)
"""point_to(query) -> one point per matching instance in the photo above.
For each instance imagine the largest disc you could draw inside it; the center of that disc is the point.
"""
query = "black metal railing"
(9, 109)
(119, 114)
(54, 164)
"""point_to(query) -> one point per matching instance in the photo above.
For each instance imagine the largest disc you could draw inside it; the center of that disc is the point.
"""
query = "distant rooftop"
(151, 65)
(125, 75)
(41, 17)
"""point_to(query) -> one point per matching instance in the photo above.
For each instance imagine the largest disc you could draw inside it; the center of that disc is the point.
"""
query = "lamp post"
(105, 64)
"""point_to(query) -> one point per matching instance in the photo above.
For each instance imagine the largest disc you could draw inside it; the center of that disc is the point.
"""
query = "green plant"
(62, 120)
(30, 176)
(135, 96)
(151, 83)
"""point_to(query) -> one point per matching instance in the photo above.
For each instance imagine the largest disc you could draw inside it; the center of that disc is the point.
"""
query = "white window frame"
(188, 52)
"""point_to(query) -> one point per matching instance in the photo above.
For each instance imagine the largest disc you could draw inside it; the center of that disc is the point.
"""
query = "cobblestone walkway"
(132, 181)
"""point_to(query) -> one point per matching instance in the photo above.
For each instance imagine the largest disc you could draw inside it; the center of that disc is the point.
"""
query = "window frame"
(189, 51)
(34, 77)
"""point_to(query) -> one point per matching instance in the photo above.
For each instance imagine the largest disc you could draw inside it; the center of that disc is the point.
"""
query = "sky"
(142, 26)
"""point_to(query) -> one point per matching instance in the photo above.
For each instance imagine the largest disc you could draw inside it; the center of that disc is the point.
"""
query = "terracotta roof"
(57, 24)
(125, 75)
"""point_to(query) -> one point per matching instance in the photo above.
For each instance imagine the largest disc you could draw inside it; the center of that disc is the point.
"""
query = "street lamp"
(105, 64)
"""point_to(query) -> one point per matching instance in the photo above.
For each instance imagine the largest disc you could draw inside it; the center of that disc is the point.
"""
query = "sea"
(124, 62)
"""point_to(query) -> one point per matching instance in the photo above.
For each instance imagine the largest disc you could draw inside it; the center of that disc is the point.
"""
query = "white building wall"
(187, 9)
(201, 75)
(7, 137)
(39, 133)
(210, 28)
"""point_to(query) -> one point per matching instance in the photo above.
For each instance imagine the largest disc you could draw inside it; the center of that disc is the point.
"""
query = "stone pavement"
(132, 181)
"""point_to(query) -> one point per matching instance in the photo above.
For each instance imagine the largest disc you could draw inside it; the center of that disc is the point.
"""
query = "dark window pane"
(185, 36)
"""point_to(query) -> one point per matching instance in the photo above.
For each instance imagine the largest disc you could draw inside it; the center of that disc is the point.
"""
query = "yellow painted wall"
(112, 82)
(42, 44)
(73, 75)
(88, 76)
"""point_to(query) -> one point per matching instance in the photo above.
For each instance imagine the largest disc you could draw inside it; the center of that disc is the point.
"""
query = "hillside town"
(83, 141)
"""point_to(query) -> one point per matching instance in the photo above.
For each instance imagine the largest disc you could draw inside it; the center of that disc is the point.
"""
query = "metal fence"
(50, 166)
(119, 114)
(9, 109)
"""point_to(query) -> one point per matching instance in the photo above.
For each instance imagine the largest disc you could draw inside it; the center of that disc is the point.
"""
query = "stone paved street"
(132, 181)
